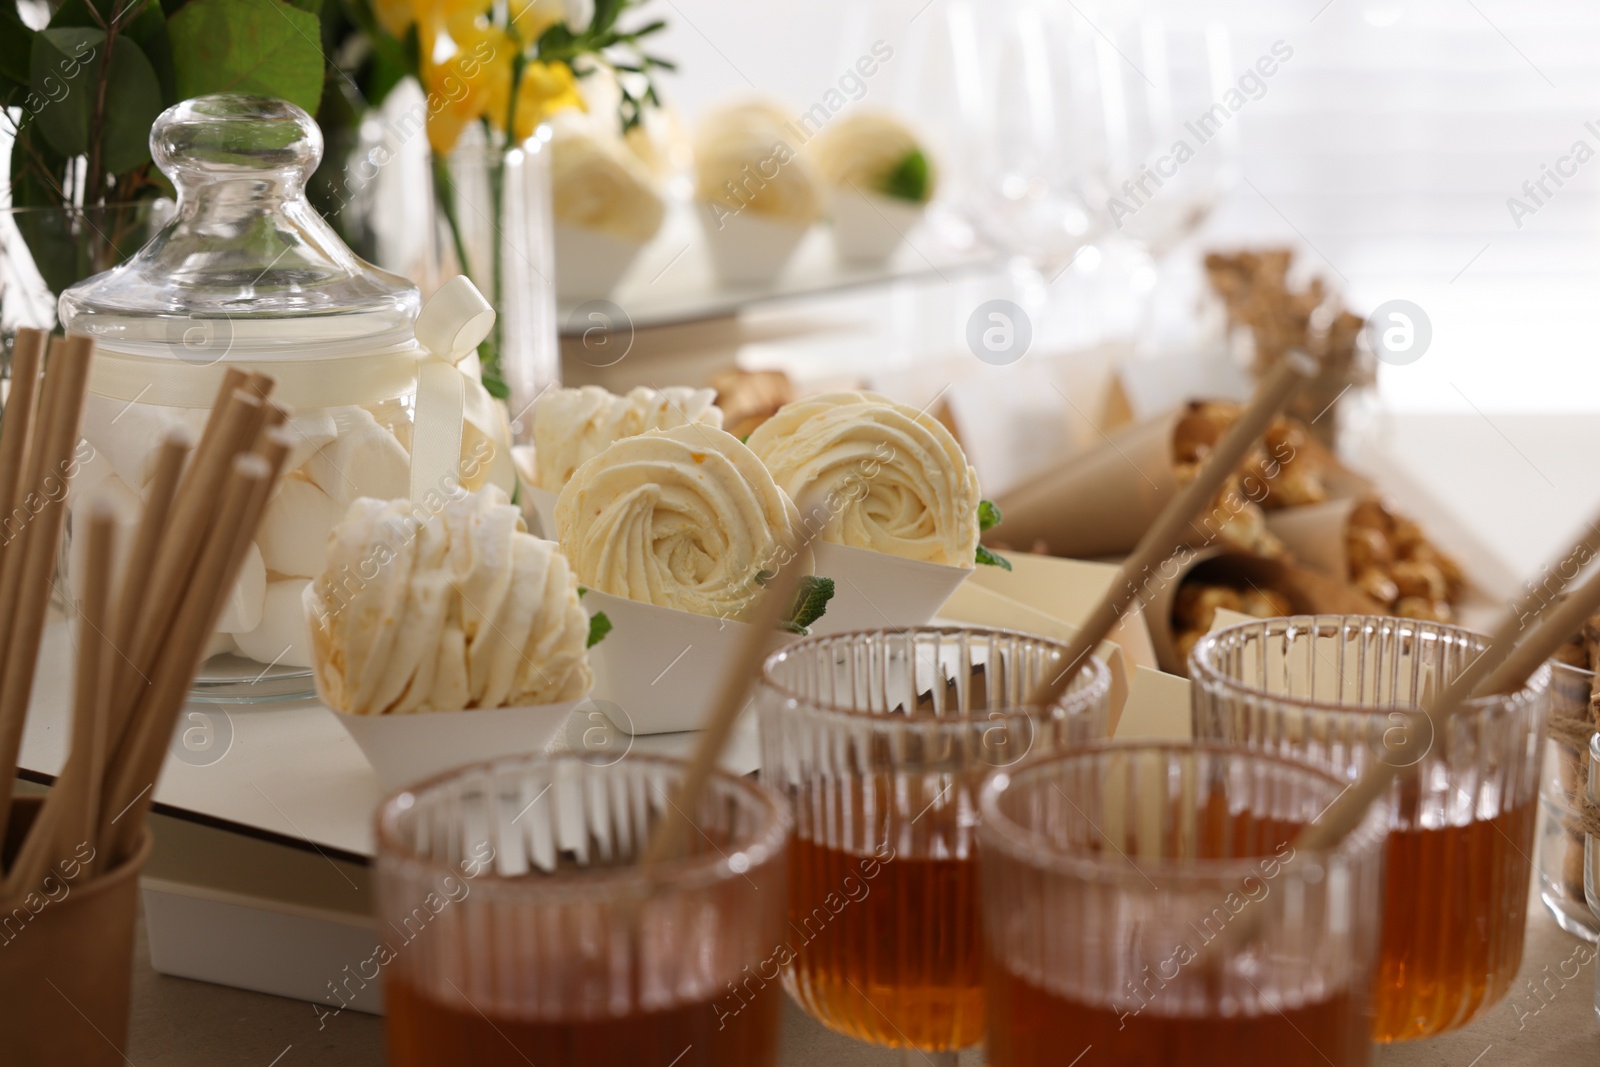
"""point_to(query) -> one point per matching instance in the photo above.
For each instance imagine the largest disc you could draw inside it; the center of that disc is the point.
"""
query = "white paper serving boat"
(747, 248)
(542, 502)
(406, 749)
(876, 590)
(868, 227)
(589, 264)
(660, 666)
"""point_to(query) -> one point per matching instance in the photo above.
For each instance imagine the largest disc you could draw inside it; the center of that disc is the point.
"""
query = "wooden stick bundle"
(55, 434)
(142, 637)
(1172, 527)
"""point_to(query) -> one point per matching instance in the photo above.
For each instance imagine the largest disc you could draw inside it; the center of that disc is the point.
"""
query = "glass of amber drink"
(1144, 905)
(517, 926)
(1341, 692)
(880, 740)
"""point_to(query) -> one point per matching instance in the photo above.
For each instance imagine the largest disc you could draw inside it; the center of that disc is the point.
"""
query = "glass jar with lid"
(384, 392)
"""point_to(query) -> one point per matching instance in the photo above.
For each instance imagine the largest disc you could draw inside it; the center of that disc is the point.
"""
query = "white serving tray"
(287, 773)
(225, 907)
(672, 280)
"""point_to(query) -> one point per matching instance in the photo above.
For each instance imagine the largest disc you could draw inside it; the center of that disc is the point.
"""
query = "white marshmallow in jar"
(384, 390)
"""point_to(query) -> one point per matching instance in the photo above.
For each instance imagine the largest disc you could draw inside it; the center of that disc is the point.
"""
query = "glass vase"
(495, 221)
(45, 249)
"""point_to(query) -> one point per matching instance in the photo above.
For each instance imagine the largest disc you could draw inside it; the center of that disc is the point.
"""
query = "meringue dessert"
(571, 426)
(459, 609)
(606, 206)
(876, 152)
(757, 193)
(879, 178)
(686, 518)
(892, 479)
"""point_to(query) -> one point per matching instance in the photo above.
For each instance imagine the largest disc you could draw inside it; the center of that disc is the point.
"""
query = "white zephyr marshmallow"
(129, 435)
(309, 432)
(293, 537)
(364, 460)
(282, 637)
(220, 644)
(243, 610)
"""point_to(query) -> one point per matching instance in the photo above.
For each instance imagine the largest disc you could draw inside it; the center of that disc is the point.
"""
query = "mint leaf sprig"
(988, 518)
(599, 626)
(599, 623)
(810, 604)
(910, 179)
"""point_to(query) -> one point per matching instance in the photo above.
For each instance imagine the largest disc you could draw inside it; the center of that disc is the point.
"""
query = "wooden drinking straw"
(27, 355)
(54, 442)
(181, 568)
(70, 810)
(1173, 527)
(776, 600)
(233, 426)
(170, 458)
(1566, 616)
(132, 779)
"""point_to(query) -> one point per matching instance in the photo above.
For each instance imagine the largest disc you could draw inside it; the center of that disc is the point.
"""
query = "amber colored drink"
(1454, 915)
(886, 949)
(1033, 1027)
(425, 1033)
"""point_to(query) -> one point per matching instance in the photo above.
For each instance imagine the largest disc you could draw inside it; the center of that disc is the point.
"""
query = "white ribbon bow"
(450, 396)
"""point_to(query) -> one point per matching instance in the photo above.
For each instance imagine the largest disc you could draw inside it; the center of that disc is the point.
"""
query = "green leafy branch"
(81, 95)
(621, 50)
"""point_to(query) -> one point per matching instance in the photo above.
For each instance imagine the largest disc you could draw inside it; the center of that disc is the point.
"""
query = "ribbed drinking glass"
(880, 741)
(1342, 691)
(1118, 883)
(519, 928)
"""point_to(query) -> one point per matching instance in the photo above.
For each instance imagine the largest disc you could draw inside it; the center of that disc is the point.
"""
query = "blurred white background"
(1387, 148)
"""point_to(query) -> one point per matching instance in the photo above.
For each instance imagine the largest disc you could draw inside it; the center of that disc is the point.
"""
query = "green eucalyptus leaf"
(313, 6)
(78, 13)
(133, 100)
(247, 46)
(63, 66)
(16, 40)
(149, 31)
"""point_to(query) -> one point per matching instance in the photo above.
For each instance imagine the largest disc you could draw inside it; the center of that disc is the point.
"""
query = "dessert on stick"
(899, 510)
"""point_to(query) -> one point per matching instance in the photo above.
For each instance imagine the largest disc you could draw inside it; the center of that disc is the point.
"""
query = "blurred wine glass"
(1170, 99)
(1032, 120)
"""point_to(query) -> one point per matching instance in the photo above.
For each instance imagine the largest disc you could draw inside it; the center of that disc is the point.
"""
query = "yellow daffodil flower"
(475, 81)
(395, 16)
(545, 89)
